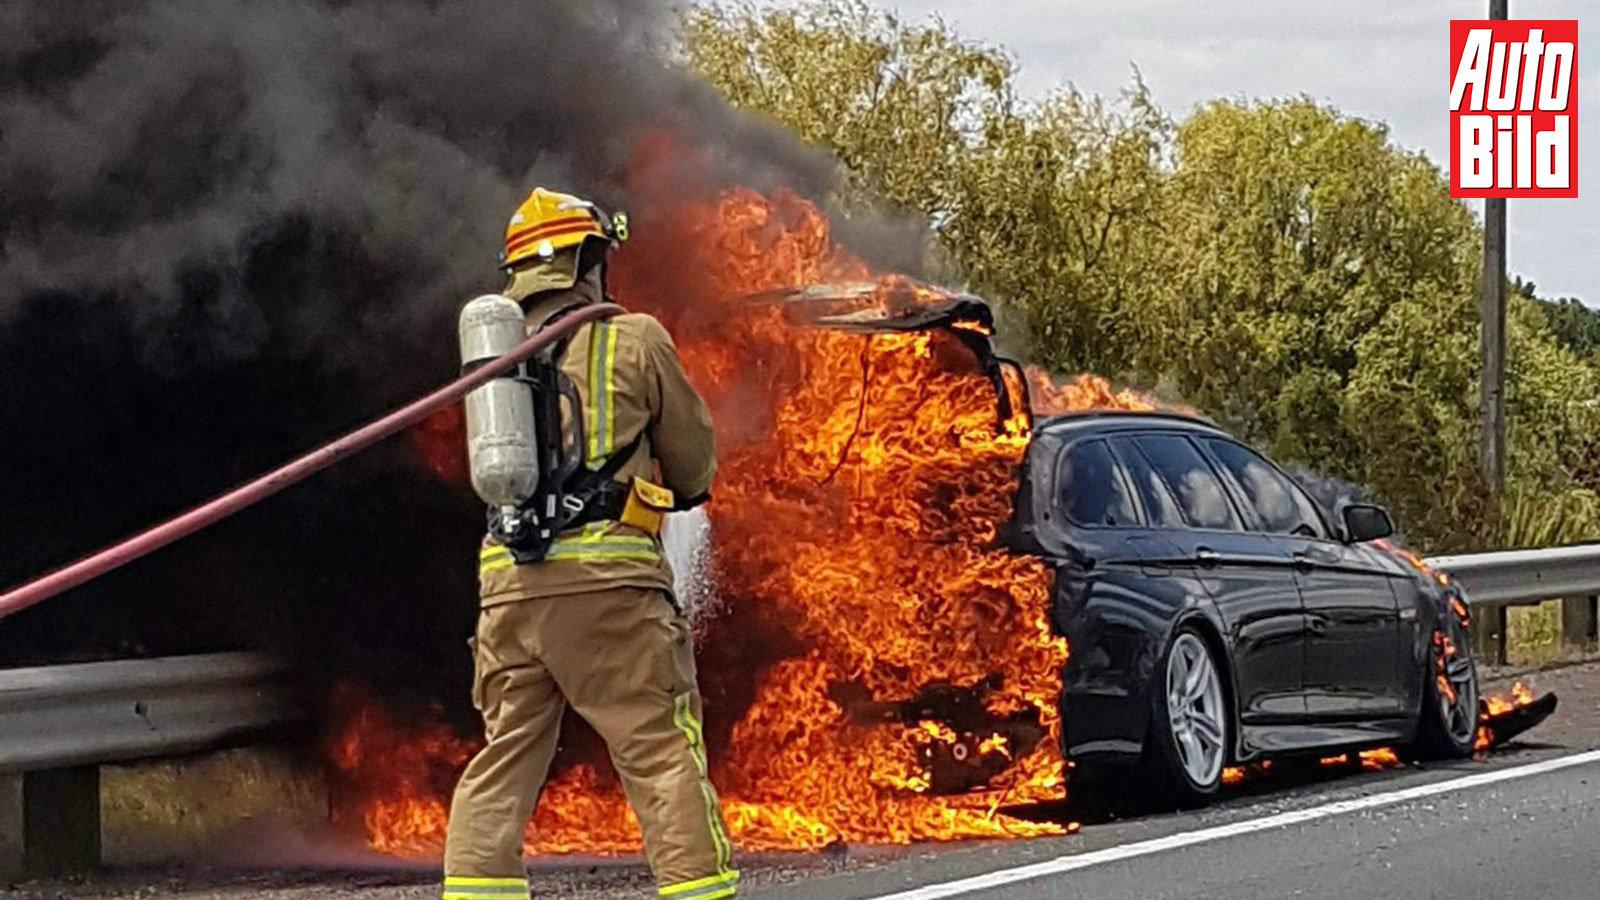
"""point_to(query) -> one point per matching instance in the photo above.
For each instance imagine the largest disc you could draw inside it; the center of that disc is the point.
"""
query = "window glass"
(1160, 507)
(1282, 506)
(1199, 492)
(1090, 489)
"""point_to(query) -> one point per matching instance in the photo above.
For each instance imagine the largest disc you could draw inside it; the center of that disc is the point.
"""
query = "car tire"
(1448, 727)
(1191, 724)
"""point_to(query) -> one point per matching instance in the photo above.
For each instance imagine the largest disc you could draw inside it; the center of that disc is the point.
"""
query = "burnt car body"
(1161, 525)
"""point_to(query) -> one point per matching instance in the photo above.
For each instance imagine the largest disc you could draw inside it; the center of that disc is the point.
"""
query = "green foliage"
(1061, 214)
(1279, 265)
(1573, 325)
(1049, 206)
(900, 105)
(1534, 518)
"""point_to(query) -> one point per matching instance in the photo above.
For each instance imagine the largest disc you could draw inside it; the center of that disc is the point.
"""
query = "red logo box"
(1514, 108)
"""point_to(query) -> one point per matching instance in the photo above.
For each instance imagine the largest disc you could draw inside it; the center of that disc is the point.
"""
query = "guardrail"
(1494, 581)
(59, 723)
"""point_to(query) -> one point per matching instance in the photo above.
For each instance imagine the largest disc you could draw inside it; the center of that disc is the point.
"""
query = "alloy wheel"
(1195, 710)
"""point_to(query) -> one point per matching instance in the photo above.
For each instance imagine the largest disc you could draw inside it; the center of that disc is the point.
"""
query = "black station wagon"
(1216, 615)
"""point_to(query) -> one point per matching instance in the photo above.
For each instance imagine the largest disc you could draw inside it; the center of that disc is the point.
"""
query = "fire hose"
(252, 492)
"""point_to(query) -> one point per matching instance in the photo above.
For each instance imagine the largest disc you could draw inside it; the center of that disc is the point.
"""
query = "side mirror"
(1366, 522)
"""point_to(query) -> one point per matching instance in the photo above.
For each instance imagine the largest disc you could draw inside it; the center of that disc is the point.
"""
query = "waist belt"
(592, 543)
(606, 504)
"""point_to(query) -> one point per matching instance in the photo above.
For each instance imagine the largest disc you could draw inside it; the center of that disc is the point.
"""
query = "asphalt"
(1534, 836)
(1527, 835)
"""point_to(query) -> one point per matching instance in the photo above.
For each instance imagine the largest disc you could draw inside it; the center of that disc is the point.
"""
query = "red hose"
(119, 554)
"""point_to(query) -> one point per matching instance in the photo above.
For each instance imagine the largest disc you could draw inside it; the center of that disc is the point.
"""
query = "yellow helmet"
(549, 222)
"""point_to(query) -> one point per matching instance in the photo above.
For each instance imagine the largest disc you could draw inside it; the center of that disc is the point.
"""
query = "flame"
(1369, 760)
(1083, 392)
(1381, 758)
(1236, 775)
(880, 669)
(1413, 560)
(1496, 705)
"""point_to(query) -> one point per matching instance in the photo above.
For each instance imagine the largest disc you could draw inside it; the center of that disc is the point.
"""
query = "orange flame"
(1496, 705)
(1369, 760)
(1413, 560)
(863, 479)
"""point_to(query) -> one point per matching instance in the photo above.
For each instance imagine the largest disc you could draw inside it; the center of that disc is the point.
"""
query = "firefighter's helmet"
(548, 222)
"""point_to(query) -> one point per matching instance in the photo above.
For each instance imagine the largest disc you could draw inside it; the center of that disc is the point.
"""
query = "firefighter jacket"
(630, 383)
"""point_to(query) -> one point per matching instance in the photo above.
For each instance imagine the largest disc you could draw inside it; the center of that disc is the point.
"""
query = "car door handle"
(1303, 561)
(1206, 556)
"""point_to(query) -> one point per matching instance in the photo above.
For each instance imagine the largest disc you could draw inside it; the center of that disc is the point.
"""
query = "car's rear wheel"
(1189, 721)
(1449, 725)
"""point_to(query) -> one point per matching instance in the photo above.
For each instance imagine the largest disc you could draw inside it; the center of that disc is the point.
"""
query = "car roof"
(1077, 424)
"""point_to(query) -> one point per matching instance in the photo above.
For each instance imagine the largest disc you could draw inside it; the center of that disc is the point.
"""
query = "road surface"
(1523, 823)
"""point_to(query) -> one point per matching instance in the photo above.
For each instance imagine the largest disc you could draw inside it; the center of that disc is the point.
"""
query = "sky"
(1386, 60)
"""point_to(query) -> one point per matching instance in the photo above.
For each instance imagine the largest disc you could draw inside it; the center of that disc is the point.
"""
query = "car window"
(1091, 490)
(1200, 494)
(1283, 507)
(1160, 507)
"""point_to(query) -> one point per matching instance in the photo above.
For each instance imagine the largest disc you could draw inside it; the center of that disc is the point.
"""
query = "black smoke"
(230, 229)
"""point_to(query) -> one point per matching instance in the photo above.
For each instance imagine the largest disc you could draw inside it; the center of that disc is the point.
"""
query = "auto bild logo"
(1514, 108)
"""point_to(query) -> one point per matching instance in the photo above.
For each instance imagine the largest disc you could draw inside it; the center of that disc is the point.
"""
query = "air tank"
(501, 449)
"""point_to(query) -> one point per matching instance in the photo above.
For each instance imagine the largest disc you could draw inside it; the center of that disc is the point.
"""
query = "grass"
(173, 809)
(1533, 634)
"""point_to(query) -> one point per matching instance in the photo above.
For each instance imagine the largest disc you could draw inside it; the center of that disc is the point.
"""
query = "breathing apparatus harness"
(569, 493)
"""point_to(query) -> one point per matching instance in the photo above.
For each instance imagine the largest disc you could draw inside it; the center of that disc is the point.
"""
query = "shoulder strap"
(585, 491)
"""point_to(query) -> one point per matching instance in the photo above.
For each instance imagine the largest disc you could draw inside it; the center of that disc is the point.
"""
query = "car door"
(1248, 576)
(1352, 654)
(1112, 598)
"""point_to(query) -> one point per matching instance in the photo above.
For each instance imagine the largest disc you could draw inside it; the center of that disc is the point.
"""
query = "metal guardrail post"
(50, 822)
(61, 820)
(1489, 635)
(11, 848)
(1578, 623)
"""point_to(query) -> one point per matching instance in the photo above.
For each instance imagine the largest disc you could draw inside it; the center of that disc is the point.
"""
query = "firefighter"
(595, 622)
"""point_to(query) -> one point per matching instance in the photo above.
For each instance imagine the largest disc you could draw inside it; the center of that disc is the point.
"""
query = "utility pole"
(1489, 633)
(1492, 310)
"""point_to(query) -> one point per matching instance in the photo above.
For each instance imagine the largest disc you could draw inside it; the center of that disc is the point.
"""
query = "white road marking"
(1250, 826)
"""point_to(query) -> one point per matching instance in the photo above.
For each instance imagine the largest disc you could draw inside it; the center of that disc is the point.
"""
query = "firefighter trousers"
(624, 659)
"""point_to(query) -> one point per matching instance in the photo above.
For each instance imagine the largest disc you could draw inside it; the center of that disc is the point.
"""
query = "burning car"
(1214, 612)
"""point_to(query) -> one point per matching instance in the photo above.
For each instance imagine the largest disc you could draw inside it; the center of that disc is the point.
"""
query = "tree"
(1277, 264)
(1046, 206)
(1572, 324)
(901, 106)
